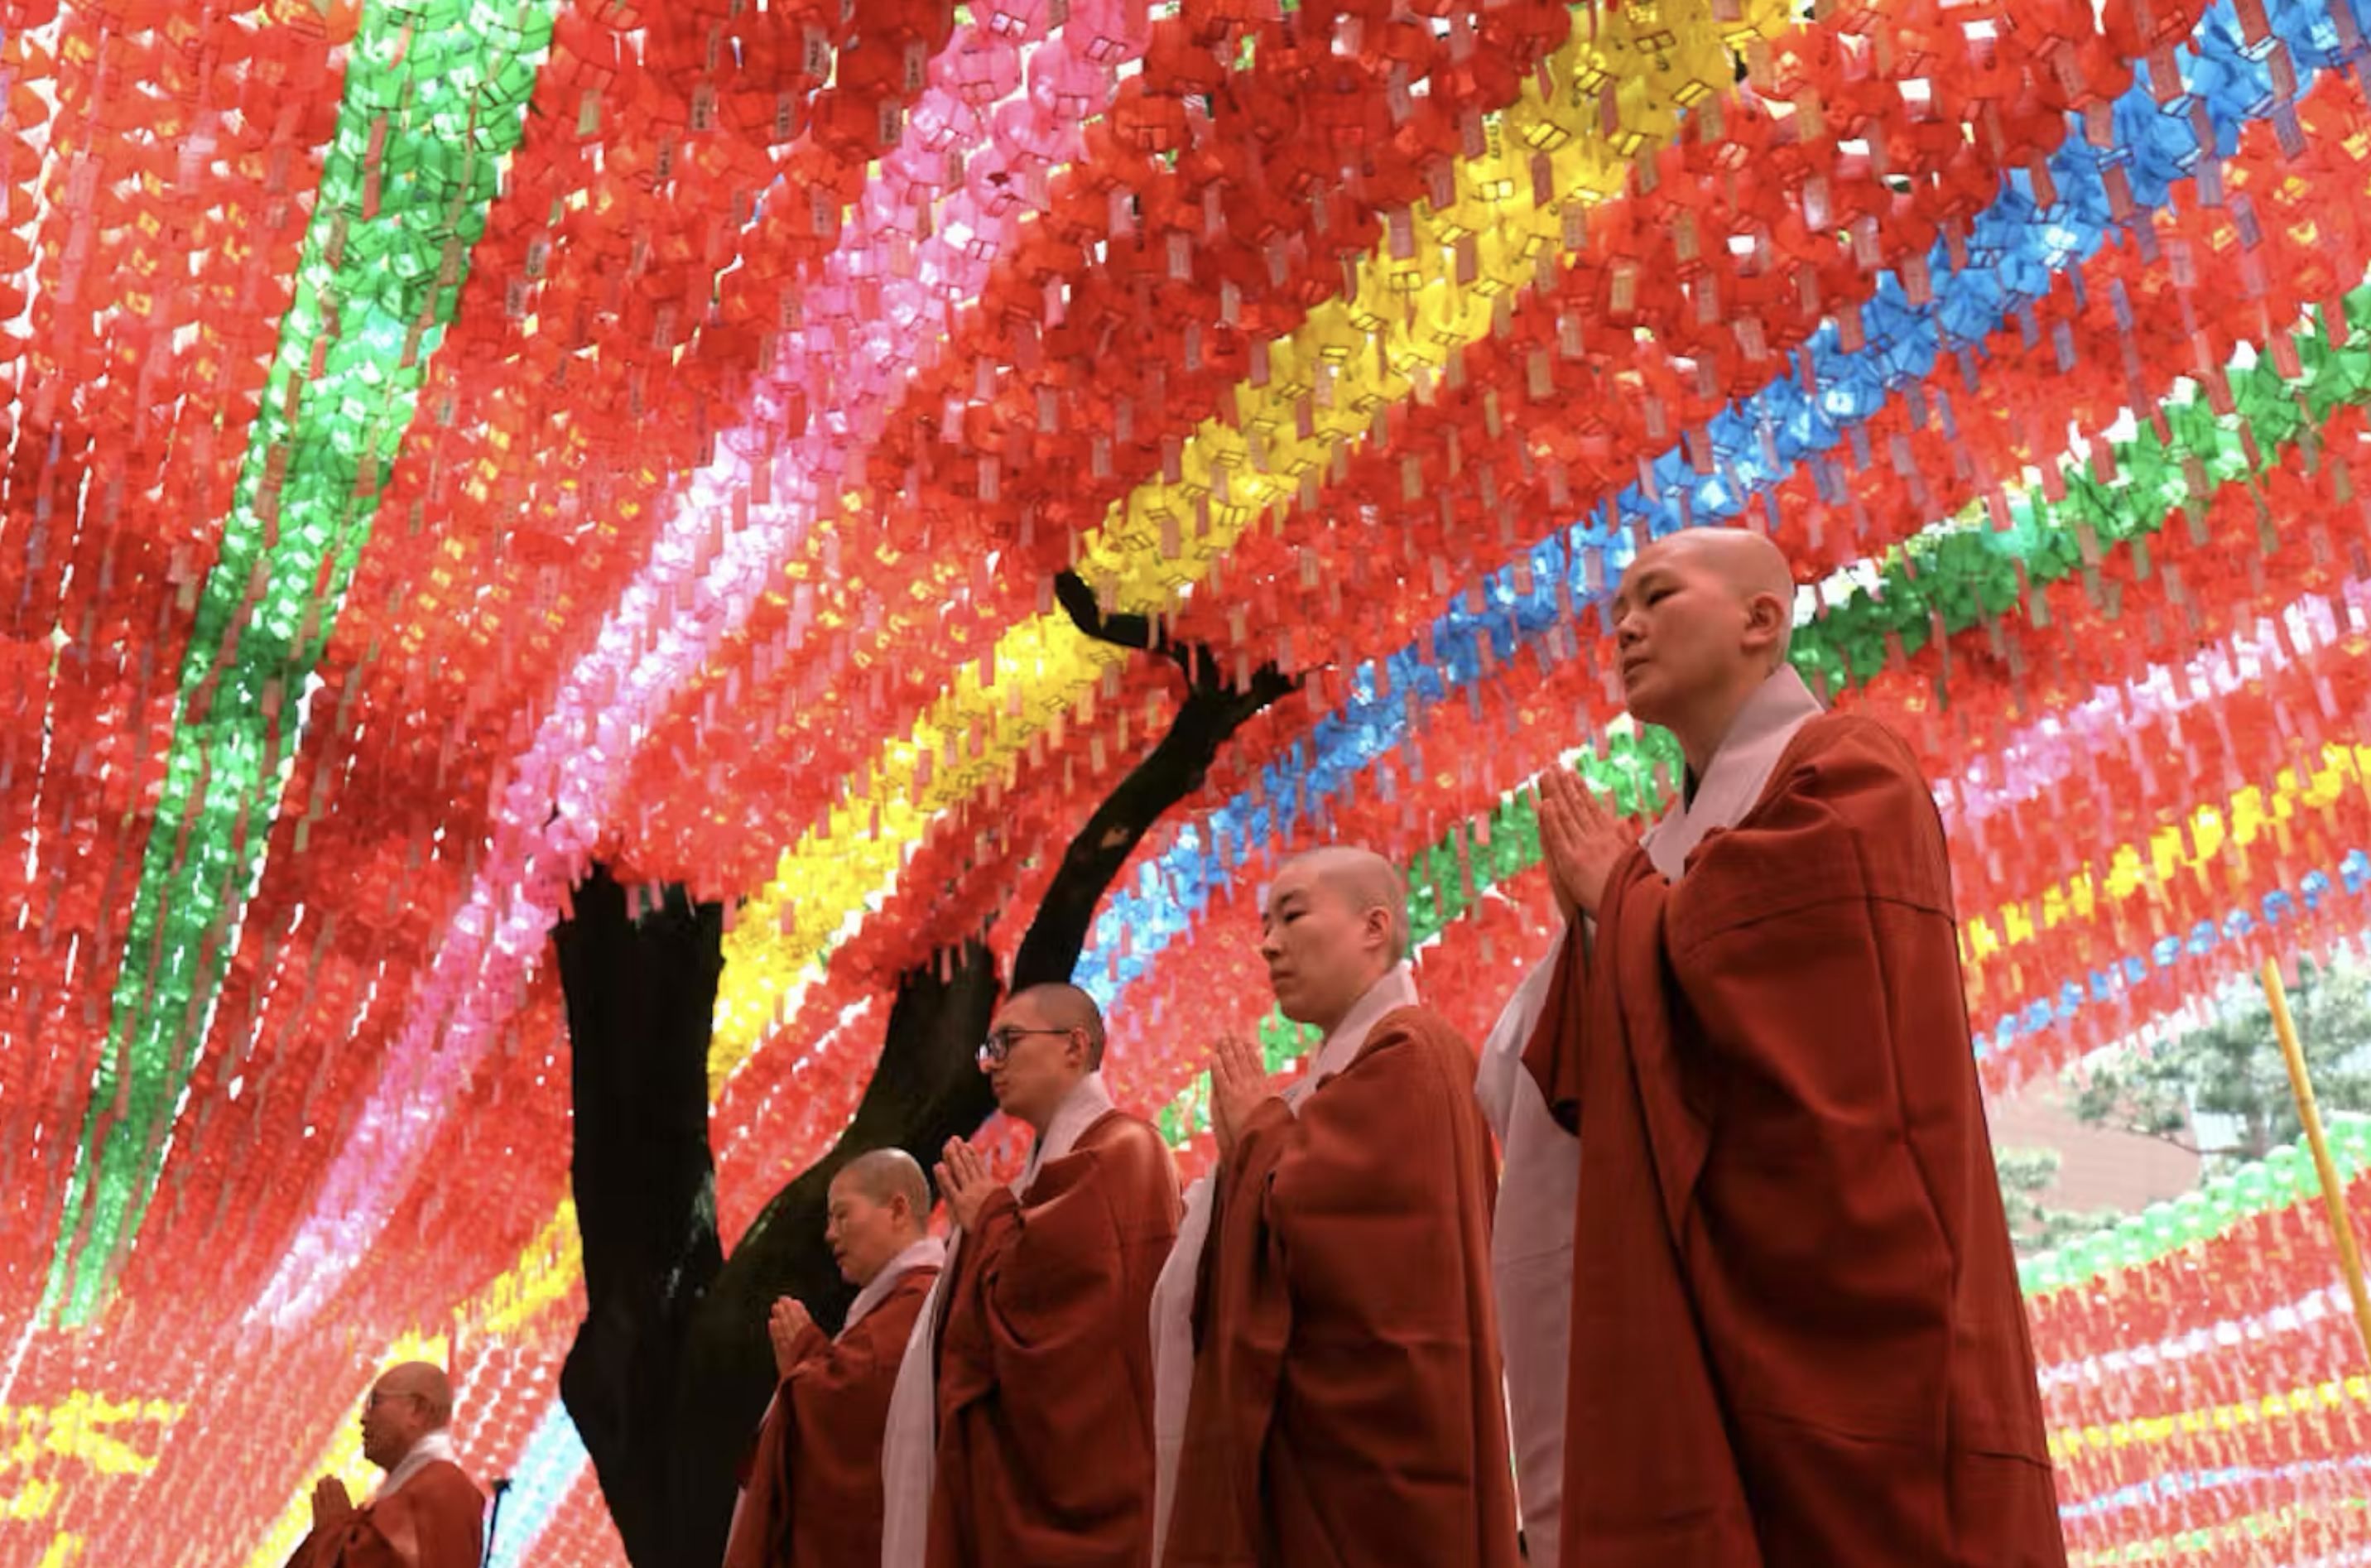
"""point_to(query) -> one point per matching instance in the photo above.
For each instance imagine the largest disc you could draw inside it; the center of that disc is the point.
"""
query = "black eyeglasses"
(999, 1045)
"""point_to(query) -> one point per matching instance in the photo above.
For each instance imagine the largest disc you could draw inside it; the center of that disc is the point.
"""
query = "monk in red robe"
(813, 1495)
(426, 1514)
(1038, 1359)
(1346, 1407)
(1796, 1338)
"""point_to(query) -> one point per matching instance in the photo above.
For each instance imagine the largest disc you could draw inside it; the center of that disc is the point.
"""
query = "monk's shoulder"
(1853, 739)
(1121, 1142)
(1135, 1174)
(1427, 1028)
(1416, 1038)
(912, 1288)
(1848, 815)
(444, 1485)
(1851, 761)
(882, 1333)
(907, 1298)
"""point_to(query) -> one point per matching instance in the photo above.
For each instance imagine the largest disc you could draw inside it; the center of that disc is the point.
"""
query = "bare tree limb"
(1213, 710)
(1086, 613)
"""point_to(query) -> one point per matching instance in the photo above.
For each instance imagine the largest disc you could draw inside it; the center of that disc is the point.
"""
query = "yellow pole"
(2333, 1196)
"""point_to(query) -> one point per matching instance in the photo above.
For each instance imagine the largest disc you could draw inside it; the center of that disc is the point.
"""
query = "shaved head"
(887, 1174)
(1748, 562)
(407, 1402)
(1044, 1042)
(1701, 622)
(1061, 1006)
(879, 1205)
(1366, 881)
(422, 1380)
(1334, 924)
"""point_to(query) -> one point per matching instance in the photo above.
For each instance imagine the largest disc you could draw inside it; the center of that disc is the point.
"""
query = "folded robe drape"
(1045, 1367)
(1176, 1293)
(1532, 1232)
(1798, 1341)
(1347, 1407)
(813, 1494)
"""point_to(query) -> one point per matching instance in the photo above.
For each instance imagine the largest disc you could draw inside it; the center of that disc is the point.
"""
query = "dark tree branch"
(671, 1369)
(1172, 770)
(1078, 601)
(1200, 665)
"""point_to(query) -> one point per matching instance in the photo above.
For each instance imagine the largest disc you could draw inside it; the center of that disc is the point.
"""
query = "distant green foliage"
(2231, 1073)
(2025, 1175)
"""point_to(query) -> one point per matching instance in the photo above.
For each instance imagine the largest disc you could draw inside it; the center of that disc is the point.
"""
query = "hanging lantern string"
(2334, 1192)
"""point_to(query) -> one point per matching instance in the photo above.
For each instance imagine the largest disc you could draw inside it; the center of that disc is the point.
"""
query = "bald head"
(886, 1175)
(1748, 564)
(1364, 881)
(1046, 1039)
(1060, 1006)
(879, 1206)
(1334, 924)
(1701, 623)
(409, 1401)
(425, 1381)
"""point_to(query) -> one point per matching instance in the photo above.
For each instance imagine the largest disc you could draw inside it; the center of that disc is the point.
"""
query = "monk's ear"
(1767, 621)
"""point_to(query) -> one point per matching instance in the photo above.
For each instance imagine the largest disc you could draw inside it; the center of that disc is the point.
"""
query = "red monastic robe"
(814, 1495)
(1045, 1382)
(1798, 1341)
(1347, 1410)
(435, 1519)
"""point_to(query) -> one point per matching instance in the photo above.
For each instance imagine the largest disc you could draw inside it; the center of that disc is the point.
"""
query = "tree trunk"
(672, 1368)
(639, 998)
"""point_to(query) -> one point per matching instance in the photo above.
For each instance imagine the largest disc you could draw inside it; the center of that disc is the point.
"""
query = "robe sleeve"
(1817, 950)
(762, 1515)
(302, 1556)
(1816, 1128)
(1347, 1312)
(820, 1371)
(809, 1344)
(824, 1367)
(436, 1521)
(1243, 1319)
(1556, 1053)
(1040, 1303)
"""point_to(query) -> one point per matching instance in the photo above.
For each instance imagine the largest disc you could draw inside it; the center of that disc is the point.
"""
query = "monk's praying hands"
(1582, 841)
(331, 1504)
(966, 1181)
(1238, 1084)
(783, 1326)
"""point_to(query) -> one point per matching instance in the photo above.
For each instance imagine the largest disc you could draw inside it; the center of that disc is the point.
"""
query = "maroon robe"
(436, 1519)
(1045, 1386)
(814, 1497)
(1347, 1410)
(1798, 1340)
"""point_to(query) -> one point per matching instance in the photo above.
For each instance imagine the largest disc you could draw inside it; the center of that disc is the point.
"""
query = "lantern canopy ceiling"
(452, 441)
